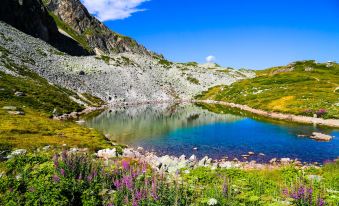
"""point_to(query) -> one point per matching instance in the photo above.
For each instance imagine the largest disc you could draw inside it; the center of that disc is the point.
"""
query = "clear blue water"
(176, 130)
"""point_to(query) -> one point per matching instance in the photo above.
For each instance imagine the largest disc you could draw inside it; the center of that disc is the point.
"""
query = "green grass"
(62, 178)
(165, 63)
(35, 128)
(302, 88)
(39, 94)
(104, 58)
(193, 80)
(192, 64)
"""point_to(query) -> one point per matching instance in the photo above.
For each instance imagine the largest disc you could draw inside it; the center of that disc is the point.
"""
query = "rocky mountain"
(31, 17)
(122, 70)
(125, 77)
(73, 19)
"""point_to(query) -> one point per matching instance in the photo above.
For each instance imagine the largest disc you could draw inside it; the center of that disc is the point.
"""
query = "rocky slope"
(125, 77)
(74, 19)
(31, 17)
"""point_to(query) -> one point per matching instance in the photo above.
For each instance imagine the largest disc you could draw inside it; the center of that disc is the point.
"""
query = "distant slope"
(303, 88)
(73, 18)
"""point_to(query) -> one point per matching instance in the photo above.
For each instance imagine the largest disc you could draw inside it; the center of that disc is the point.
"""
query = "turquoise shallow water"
(177, 129)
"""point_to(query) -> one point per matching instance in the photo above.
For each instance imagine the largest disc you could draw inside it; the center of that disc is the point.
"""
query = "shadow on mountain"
(31, 17)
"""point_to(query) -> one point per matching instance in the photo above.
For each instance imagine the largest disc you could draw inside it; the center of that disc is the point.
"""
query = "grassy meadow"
(301, 88)
(68, 178)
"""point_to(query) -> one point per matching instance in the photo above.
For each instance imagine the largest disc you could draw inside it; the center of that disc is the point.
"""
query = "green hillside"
(27, 101)
(302, 88)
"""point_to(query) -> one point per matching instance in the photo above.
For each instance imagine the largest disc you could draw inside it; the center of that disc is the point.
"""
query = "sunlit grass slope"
(38, 101)
(302, 88)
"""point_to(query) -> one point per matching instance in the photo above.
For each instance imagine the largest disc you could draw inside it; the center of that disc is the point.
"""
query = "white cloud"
(106, 10)
(210, 59)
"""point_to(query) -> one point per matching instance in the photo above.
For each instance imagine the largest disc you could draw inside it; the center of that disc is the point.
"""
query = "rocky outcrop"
(31, 17)
(99, 38)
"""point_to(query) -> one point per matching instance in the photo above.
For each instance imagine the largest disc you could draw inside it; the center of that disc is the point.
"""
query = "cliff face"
(31, 17)
(94, 34)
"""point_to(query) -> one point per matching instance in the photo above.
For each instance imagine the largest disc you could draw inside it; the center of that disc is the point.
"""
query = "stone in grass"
(285, 160)
(274, 160)
(16, 112)
(19, 94)
(11, 108)
(193, 158)
(107, 153)
(17, 153)
(315, 178)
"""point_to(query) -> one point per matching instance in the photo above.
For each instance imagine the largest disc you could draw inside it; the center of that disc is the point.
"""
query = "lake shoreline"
(274, 115)
(173, 163)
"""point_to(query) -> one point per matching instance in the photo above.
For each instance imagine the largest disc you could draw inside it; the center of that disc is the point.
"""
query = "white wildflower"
(212, 201)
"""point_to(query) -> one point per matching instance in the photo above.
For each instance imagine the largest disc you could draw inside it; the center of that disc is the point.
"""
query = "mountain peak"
(73, 18)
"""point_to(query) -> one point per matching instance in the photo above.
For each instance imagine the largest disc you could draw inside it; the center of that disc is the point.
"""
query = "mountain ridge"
(98, 37)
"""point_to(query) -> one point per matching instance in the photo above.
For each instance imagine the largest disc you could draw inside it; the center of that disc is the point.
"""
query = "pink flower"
(62, 172)
(125, 164)
(56, 179)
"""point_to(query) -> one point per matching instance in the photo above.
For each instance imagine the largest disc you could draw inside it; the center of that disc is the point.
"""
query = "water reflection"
(176, 129)
(126, 124)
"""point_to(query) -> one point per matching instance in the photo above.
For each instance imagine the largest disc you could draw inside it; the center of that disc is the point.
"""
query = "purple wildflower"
(127, 181)
(62, 172)
(56, 179)
(138, 195)
(154, 189)
(321, 112)
(31, 189)
(125, 164)
(117, 184)
(320, 202)
(285, 192)
(225, 189)
(144, 167)
(64, 155)
(89, 178)
(95, 173)
(56, 160)
(135, 202)
(80, 177)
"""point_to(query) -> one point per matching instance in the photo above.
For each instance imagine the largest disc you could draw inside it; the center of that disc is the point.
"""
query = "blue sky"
(252, 34)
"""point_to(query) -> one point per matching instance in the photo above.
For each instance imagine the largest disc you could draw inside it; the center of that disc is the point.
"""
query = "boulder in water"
(321, 137)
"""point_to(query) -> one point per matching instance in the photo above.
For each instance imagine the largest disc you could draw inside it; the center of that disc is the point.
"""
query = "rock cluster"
(173, 164)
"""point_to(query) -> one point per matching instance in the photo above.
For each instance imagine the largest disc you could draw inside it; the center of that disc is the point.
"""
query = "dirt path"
(274, 115)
